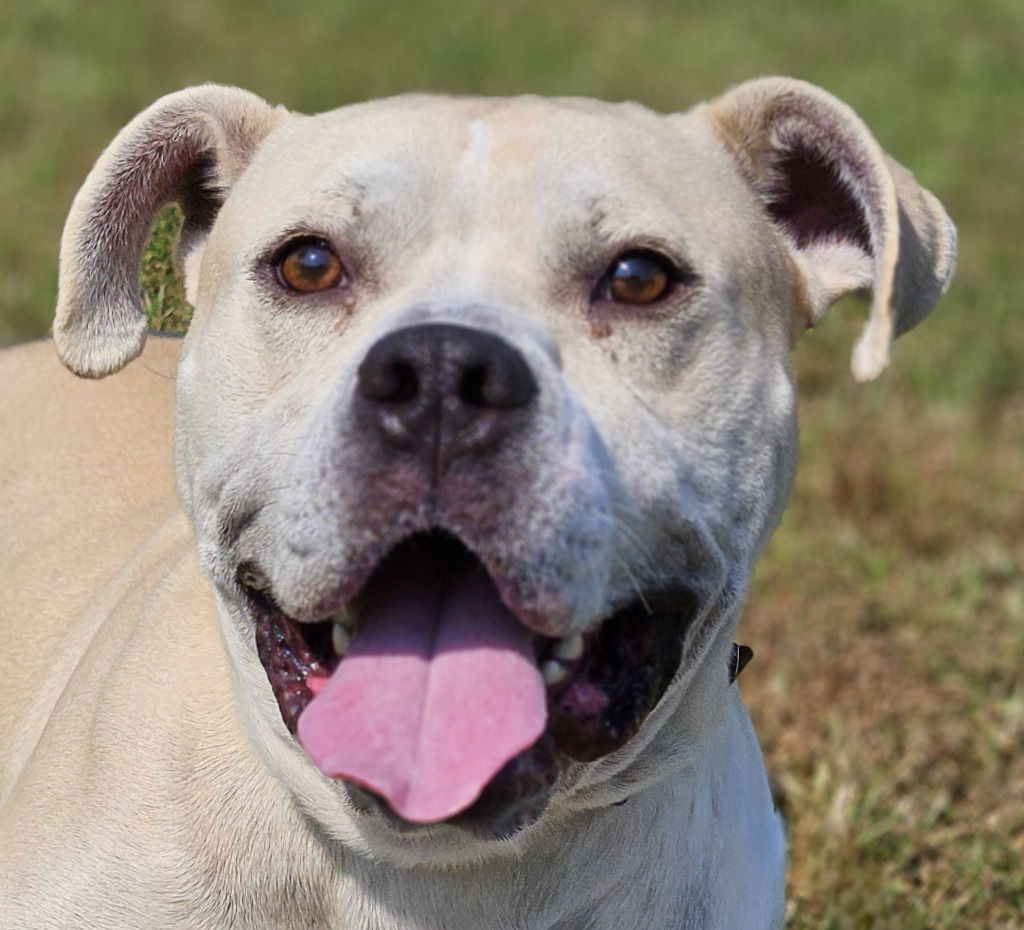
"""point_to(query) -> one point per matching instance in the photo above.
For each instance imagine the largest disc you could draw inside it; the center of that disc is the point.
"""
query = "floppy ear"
(854, 219)
(188, 147)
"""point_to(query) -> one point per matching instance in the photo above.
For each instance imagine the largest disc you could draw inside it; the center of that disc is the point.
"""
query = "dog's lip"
(257, 588)
(255, 582)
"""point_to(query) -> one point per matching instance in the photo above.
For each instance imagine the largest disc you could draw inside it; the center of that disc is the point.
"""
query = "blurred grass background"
(888, 613)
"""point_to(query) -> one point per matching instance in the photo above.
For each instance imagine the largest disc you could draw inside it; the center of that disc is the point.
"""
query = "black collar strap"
(738, 659)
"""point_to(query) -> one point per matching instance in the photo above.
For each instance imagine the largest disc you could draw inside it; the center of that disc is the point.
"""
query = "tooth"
(554, 672)
(346, 618)
(340, 639)
(569, 648)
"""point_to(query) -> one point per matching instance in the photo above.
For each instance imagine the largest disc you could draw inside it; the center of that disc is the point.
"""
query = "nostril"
(472, 387)
(494, 375)
(501, 383)
(394, 382)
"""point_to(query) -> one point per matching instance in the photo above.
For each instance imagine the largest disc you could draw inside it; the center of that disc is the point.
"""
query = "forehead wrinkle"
(383, 200)
(315, 212)
(620, 218)
(343, 188)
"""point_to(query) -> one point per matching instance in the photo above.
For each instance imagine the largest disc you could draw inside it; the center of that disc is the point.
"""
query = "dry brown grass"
(887, 618)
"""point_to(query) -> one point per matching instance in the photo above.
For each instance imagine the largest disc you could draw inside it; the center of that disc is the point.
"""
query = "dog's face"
(485, 414)
(523, 389)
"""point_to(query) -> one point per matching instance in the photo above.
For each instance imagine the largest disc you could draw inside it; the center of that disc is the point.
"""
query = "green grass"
(888, 613)
(163, 292)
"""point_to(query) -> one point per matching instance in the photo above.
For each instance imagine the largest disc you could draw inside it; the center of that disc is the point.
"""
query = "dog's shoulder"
(63, 431)
(85, 478)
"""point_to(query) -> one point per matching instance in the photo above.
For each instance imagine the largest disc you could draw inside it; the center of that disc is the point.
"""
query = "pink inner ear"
(811, 202)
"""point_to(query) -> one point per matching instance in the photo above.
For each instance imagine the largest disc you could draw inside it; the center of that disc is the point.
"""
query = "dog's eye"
(309, 265)
(638, 277)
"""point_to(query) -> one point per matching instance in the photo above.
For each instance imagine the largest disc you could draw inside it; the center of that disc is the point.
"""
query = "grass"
(888, 621)
(163, 292)
(887, 615)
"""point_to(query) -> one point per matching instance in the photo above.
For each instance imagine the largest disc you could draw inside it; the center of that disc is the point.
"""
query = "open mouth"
(429, 698)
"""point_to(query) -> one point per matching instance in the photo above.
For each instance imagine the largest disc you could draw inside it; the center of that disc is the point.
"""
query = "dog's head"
(485, 413)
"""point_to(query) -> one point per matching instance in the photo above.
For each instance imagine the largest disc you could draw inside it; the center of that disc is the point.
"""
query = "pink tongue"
(437, 692)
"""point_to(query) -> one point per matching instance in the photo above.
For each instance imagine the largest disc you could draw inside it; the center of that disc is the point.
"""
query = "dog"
(482, 420)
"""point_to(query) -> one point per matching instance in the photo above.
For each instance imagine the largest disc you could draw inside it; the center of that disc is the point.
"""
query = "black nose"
(442, 389)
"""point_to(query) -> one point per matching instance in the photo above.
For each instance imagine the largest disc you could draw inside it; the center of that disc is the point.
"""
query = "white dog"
(483, 418)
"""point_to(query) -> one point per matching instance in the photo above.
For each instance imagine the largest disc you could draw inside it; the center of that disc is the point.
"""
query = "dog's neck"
(331, 887)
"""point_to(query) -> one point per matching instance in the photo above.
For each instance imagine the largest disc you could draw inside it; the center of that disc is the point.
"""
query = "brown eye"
(309, 265)
(639, 278)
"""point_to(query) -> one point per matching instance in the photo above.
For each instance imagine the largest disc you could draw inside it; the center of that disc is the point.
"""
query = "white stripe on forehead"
(468, 218)
(474, 165)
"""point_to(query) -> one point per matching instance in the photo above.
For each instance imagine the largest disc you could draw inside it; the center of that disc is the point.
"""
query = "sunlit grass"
(888, 622)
